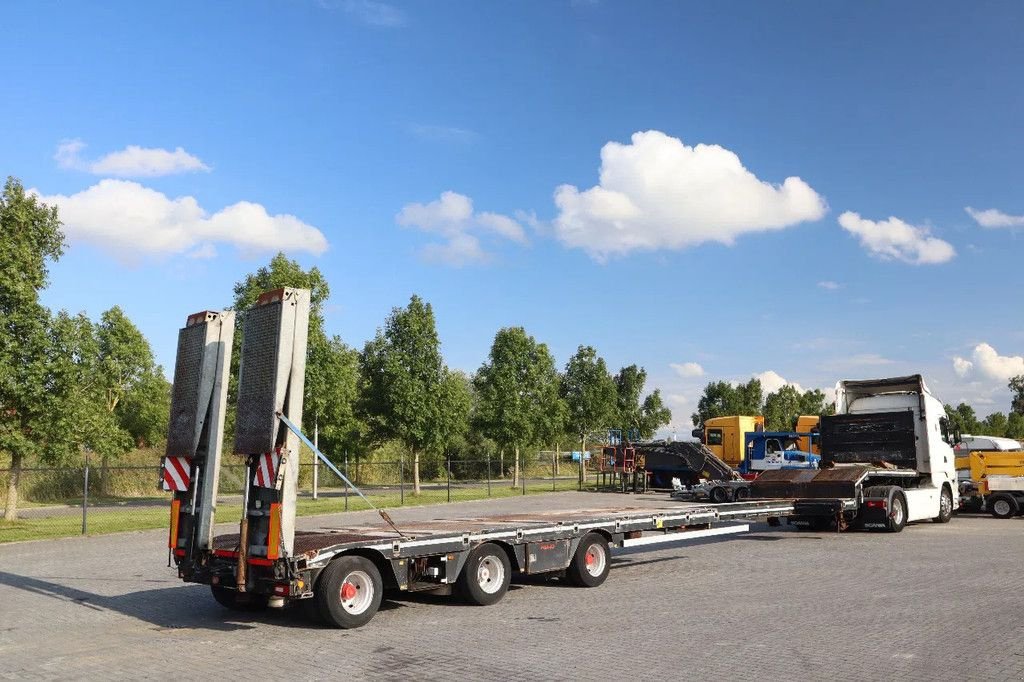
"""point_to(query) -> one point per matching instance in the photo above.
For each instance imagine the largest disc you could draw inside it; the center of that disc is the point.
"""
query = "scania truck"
(886, 460)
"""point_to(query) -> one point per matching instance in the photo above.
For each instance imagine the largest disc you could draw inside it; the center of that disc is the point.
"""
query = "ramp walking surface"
(933, 602)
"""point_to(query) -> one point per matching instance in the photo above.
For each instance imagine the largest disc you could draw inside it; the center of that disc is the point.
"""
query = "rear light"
(876, 504)
(282, 590)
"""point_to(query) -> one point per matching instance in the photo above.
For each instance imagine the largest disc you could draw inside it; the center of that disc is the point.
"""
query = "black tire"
(718, 495)
(774, 521)
(741, 494)
(238, 601)
(945, 505)
(1002, 506)
(591, 562)
(348, 592)
(897, 508)
(485, 577)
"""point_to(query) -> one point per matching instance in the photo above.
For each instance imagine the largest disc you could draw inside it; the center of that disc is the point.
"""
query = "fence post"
(554, 472)
(401, 480)
(346, 484)
(85, 499)
(448, 475)
(488, 474)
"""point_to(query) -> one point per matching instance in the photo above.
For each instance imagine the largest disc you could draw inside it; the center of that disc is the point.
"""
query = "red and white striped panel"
(177, 473)
(266, 470)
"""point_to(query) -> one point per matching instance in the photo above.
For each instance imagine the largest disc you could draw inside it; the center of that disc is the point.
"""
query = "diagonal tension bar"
(330, 465)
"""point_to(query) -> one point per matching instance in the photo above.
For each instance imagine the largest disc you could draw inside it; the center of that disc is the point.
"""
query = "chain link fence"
(96, 499)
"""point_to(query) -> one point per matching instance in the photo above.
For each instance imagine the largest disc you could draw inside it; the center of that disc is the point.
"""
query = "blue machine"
(769, 450)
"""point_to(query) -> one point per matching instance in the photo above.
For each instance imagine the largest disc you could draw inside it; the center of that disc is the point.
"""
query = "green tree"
(407, 393)
(962, 418)
(994, 425)
(30, 235)
(79, 386)
(124, 367)
(146, 408)
(643, 416)
(1015, 426)
(330, 393)
(782, 408)
(723, 399)
(589, 394)
(815, 402)
(1016, 385)
(517, 392)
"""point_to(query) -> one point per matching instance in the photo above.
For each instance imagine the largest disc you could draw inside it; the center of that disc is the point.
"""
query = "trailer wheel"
(945, 506)
(485, 577)
(238, 601)
(719, 495)
(1002, 506)
(897, 519)
(774, 521)
(590, 565)
(349, 592)
(741, 494)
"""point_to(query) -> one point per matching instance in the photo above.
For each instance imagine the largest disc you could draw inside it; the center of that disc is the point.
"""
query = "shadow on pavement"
(166, 607)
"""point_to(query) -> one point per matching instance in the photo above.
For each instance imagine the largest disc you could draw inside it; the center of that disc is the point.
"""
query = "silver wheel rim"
(356, 593)
(897, 511)
(1001, 507)
(594, 560)
(490, 574)
(946, 504)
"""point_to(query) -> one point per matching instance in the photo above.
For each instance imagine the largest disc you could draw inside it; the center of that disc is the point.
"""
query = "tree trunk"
(583, 456)
(104, 479)
(415, 472)
(11, 510)
(501, 462)
(515, 467)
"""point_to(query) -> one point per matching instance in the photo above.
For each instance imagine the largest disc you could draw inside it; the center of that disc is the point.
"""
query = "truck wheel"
(742, 494)
(897, 520)
(485, 577)
(945, 506)
(238, 601)
(719, 495)
(1002, 506)
(590, 565)
(349, 592)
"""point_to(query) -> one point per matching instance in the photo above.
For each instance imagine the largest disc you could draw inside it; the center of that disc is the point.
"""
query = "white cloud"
(452, 217)
(962, 367)
(771, 381)
(894, 239)
(370, 12)
(989, 363)
(687, 369)
(992, 217)
(130, 220)
(658, 193)
(828, 285)
(132, 161)
(435, 133)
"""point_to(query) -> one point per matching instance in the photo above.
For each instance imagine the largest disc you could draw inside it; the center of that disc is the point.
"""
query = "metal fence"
(94, 499)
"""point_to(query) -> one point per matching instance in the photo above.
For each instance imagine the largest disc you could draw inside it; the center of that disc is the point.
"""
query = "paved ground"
(934, 602)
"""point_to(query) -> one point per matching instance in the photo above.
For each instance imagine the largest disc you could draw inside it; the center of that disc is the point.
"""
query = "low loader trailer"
(342, 575)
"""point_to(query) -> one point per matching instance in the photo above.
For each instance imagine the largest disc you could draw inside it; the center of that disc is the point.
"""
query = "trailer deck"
(312, 548)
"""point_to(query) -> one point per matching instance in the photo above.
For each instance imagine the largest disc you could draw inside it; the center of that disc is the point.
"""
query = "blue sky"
(421, 148)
